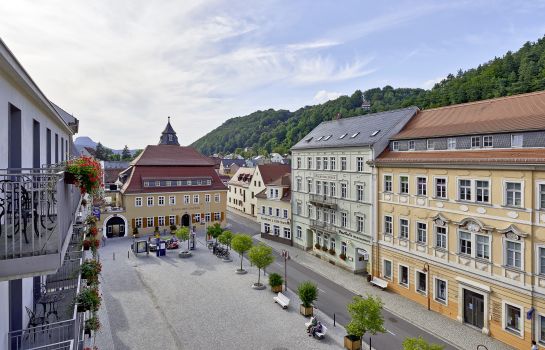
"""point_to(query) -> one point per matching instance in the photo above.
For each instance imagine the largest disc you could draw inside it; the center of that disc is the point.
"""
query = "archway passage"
(185, 220)
(115, 227)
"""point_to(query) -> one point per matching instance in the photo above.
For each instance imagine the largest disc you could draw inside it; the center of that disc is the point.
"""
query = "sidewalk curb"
(258, 237)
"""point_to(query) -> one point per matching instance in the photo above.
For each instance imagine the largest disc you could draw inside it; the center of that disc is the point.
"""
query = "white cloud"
(428, 84)
(324, 96)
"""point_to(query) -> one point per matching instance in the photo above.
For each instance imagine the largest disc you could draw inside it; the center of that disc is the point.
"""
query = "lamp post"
(286, 256)
(426, 269)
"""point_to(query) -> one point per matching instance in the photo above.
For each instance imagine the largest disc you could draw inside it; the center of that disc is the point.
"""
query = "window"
(488, 141)
(333, 187)
(309, 162)
(430, 144)
(403, 229)
(475, 141)
(343, 248)
(217, 216)
(267, 227)
(326, 188)
(207, 217)
(150, 201)
(285, 213)
(187, 199)
(404, 275)
(513, 254)
(441, 237)
(318, 163)
(482, 245)
(207, 198)
(318, 187)
(299, 232)
(541, 260)
(343, 136)
(541, 331)
(421, 282)
(197, 217)
(161, 200)
(332, 163)
(161, 221)
(343, 163)
(287, 233)
(326, 163)
(516, 140)
(332, 245)
(359, 193)
(309, 185)
(149, 222)
(343, 190)
(298, 184)
(360, 223)
(318, 213)
(411, 145)
(440, 291)
(195, 199)
(451, 143)
(344, 220)
(138, 222)
(217, 198)
(270, 211)
(299, 208)
(172, 200)
(359, 163)
(464, 188)
(482, 189)
(277, 212)
(395, 145)
(465, 243)
(138, 202)
(354, 135)
(298, 162)
(387, 183)
(513, 320)
(388, 225)
(421, 232)
(513, 194)
(387, 269)
(404, 184)
(309, 209)
(172, 220)
(263, 210)
(421, 186)
(440, 187)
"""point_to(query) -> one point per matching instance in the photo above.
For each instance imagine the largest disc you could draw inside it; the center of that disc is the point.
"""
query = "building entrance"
(185, 220)
(473, 308)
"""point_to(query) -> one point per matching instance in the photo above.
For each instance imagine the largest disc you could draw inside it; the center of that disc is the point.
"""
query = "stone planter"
(259, 286)
(227, 260)
(184, 255)
(241, 272)
(306, 311)
(276, 289)
(351, 342)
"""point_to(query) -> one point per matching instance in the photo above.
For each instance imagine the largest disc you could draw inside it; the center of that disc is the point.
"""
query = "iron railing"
(323, 201)
(65, 345)
(36, 211)
(322, 226)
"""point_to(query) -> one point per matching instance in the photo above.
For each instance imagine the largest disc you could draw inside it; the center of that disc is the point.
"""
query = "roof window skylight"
(375, 133)
(319, 138)
(309, 139)
(342, 136)
(327, 137)
(356, 134)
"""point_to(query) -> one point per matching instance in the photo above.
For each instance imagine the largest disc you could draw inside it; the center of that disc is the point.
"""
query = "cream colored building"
(274, 206)
(460, 213)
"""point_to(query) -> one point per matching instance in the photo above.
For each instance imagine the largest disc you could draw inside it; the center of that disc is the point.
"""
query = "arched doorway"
(115, 226)
(185, 220)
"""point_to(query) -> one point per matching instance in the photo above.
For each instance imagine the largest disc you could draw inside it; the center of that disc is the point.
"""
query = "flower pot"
(306, 311)
(276, 289)
(369, 277)
(69, 178)
(241, 272)
(352, 342)
(258, 286)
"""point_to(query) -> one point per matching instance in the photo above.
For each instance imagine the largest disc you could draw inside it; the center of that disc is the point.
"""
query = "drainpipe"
(532, 252)
(374, 213)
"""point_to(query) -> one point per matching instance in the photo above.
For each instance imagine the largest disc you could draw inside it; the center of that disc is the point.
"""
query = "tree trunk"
(241, 257)
(258, 276)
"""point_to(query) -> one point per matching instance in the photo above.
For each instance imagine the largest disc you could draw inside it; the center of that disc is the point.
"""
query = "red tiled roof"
(169, 155)
(507, 156)
(505, 114)
(273, 171)
(111, 175)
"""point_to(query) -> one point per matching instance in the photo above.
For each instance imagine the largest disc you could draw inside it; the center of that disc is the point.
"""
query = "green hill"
(277, 130)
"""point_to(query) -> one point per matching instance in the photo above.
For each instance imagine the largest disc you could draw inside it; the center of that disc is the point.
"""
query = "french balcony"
(322, 226)
(321, 200)
(37, 211)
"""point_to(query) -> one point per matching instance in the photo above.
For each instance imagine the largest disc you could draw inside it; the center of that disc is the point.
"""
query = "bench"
(320, 335)
(379, 282)
(282, 300)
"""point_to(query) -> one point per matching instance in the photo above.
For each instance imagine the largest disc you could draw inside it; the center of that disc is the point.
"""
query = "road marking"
(392, 333)
(322, 291)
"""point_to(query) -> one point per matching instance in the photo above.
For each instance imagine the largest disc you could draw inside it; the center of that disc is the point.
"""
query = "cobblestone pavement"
(449, 330)
(195, 303)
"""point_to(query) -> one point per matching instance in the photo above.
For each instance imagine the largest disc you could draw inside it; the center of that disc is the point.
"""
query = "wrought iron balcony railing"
(322, 200)
(322, 226)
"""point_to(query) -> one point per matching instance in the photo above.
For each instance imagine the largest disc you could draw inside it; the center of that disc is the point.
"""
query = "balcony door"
(14, 138)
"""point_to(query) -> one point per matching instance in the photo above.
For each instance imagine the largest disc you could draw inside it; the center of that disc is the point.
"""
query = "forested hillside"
(277, 130)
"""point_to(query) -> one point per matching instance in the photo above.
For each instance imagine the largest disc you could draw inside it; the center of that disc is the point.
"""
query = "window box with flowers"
(342, 256)
(84, 172)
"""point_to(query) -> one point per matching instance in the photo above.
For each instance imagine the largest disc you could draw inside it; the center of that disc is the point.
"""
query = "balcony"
(322, 226)
(321, 200)
(65, 328)
(37, 210)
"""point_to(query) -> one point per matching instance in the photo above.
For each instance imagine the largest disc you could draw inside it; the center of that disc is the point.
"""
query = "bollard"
(334, 323)
(128, 254)
(113, 255)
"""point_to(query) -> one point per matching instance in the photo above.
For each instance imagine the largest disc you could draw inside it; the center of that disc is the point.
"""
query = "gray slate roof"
(328, 134)
(228, 162)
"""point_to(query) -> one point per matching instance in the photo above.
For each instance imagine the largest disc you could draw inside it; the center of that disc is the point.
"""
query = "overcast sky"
(122, 67)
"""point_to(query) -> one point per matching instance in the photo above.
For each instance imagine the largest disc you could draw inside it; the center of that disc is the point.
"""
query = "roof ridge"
(368, 115)
(488, 100)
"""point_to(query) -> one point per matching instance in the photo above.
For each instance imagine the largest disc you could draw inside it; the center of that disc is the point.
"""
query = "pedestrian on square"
(103, 241)
(534, 345)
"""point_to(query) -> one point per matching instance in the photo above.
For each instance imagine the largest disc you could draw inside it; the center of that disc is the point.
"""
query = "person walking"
(534, 345)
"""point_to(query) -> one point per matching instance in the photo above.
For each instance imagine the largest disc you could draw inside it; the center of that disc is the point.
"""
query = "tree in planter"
(419, 344)
(275, 281)
(183, 235)
(88, 299)
(317, 246)
(90, 269)
(225, 238)
(214, 231)
(366, 316)
(173, 229)
(308, 293)
(241, 243)
(261, 256)
(92, 324)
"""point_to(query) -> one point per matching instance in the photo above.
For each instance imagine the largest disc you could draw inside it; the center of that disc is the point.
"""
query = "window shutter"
(144, 222)
(156, 221)
(193, 218)
(221, 216)
(176, 222)
(133, 222)
(202, 217)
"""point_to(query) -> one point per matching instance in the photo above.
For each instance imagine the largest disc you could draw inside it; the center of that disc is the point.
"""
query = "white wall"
(4, 313)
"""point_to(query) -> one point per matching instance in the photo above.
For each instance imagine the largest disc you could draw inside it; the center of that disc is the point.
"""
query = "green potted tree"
(241, 243)
(275, 281)
(225, 239)
(419, 344)
(183, 235)
(90, 269)
(261, 256)
(173, 229)
(308, 293)
(366, 316)
(214, 231)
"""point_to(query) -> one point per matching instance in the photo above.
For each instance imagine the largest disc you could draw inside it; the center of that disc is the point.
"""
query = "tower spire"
(168, 136)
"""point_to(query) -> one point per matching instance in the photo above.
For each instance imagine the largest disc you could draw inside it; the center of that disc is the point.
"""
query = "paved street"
(334, 298)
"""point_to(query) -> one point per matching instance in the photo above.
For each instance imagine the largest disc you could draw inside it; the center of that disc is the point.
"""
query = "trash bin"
(162, 248)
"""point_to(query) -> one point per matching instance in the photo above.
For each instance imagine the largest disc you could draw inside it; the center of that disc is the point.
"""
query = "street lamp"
(286, 256)
(426, 270)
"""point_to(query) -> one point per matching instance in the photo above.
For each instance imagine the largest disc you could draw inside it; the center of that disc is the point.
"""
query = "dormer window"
(451, 143)
(342, 136)
(488, 141)
(411, 145)
(395, 145)
(430, 144)
(475, 142)
(170, 137)
(516, 140)
(356, 134)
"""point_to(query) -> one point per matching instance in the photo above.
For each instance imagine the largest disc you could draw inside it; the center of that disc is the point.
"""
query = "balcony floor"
(13, 246)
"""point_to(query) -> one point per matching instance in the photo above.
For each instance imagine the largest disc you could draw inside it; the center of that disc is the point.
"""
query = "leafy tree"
(308, 293)
(241, 243)
(101, 152)
(366, 316)
(126, 154)
(137, 153)
(183, 234)
(214, 231)
(225, 238)
(419, 344)
(261, 256)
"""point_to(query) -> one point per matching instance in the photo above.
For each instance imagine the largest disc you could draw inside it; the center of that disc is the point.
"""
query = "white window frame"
(435, 235)
(408, 228)
(408, 284)
(360, 223)
(171, 200)
(417, 240)
(344, 190)
(451, 143)
(435, 279)
(395, 145)
(384, 187)
(161, 219)
(285, 214)
(504, 319)
(476, 142)
(475, 235)
(332, 163)
(344, 220)
(287, 233)
(513, 137)
(148, 222)
(187, 199)
(540, 323)
(138, 222)
(172, 220)
(344, 165)
(391, 277)
(435, 187)
(391, 225)
(430, 145)
(490, 139)
(149, 200)
(360, 192)
(217, 198)
(161, 201)
(408, 185)
(138, 201)
(476, 190)
(207, 198)
(471, 190)
(504, 249)
(325, 163)
(196, 199)
(505, 182)
(425, 188)
(538, 262)
(416, 272)
(411, 145)
(360, 164)
(298, 232)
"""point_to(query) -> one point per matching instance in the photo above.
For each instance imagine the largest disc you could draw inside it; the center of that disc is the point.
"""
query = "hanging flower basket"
(86, 173)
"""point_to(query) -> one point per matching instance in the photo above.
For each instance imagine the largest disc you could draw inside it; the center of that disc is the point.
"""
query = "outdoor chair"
(34, 321)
